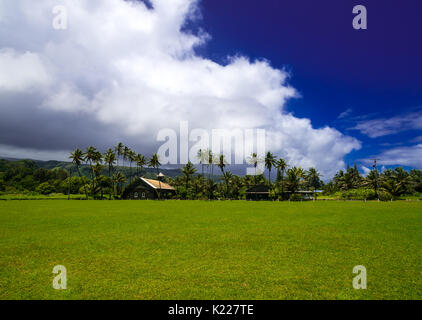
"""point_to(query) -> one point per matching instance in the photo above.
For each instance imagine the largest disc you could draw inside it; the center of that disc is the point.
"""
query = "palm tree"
(155, 163)
(222, 164)
(141, 162)
(131, 155)
(395, 182)
(93, 156)
(97, 171)
(270, 161)
(98, 159)
(228, 178)
(188, 170)
(78, 157)
(210, 162)
(70, 182)
(202, 157)
(104, 182)
(371, 180)
(199, 186)
(281, 166)
(110, 159)
(294, 179)
(313, 179)
(351, 179)
(118, 179)
(119, 151)
(253, 160)
(125, 154)
(89, 158)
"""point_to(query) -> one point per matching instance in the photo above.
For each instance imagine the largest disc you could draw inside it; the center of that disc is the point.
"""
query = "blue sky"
(326, 94)
(363, 75)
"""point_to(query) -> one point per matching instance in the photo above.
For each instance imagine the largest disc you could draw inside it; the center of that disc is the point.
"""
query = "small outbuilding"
(257, 193)
(149, 189)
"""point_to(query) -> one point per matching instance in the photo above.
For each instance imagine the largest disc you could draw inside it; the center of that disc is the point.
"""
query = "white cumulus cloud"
(406, 156)
(388, 126)
(132, 68)
(21, 71)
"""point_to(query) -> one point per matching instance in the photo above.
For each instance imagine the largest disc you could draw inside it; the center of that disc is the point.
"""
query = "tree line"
(105, 175)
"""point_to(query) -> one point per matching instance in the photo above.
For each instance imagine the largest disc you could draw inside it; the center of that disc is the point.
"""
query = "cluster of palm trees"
(395, 182)
(121, 164)
(116, 159)
(196, 186)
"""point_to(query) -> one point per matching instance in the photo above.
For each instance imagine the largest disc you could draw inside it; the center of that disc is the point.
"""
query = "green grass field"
(54, 196)
(210, 250)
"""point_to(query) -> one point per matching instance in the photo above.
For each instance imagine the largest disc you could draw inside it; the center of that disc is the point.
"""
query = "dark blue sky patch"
(374, 73)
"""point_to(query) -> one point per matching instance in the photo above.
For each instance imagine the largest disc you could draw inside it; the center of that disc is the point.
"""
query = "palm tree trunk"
(112, 183)
(269, 182)
(269, 177)
(70, 181)
(159, 183)
(80, 176)
(92, 180)
(282, 185)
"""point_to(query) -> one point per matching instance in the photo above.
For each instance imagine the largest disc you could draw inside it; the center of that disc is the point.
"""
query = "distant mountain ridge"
(54, 164)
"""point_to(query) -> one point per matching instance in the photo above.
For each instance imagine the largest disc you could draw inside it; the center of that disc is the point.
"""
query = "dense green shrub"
(363, 194)
(45, 188)
(295, 197)
(358, 194)
(385, 196)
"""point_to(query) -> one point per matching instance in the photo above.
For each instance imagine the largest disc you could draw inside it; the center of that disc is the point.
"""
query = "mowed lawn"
(210, 250)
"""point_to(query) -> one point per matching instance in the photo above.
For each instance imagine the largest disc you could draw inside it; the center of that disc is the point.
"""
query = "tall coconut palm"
(110, 159)
(98, 167)
(70, 183)
(270, 161)
(228, 178)
(92, 156)
(89, 158)
(118, 179)
(141, 162)
(253, 159)
(77, 158)
(131, 156)
(281, 166)
(119, 151)
(125, 153)
(202, 157)
(222, 164)
(155, 163)
(210, 162)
